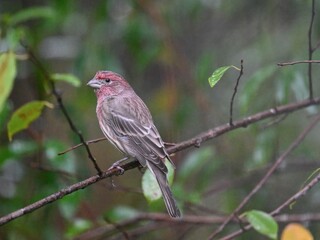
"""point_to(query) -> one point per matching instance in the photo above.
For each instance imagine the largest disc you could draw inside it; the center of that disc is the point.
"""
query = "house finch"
(127, 123)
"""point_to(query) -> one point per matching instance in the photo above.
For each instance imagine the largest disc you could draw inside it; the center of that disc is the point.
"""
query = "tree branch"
(310, 48)
(108, 230)
(205, 136)
(234, 93)
(297, 62)
(217, 131)
(295, 144)
(80, 144)
(292, 199)
(66, 191)
(57, 95)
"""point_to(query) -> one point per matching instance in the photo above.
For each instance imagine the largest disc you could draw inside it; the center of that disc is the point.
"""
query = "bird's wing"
(132, 122)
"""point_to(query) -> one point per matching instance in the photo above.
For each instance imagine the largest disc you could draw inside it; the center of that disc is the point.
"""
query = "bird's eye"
(107, 80)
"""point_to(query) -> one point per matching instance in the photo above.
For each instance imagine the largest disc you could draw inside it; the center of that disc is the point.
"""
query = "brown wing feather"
(133, 127)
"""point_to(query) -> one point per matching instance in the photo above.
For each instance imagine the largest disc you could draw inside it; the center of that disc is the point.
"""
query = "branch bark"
(297, 62)
(217, 131)
(196, 141)
(292, 199)
(295, 144)
(108, 229)
(56, 94)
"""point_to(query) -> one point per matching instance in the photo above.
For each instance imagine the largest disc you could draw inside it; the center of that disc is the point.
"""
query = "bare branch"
(119, 228)
(211, 133)
(311, 50)
(298, 195)
(66, 191)
(80, 144)
(194, 219)
(234, 93)
(295, 197)
(108, 230)
(217, 131)
(317, 46)
(297, 62)
(275, 121)
(57, 95)
(265, 178)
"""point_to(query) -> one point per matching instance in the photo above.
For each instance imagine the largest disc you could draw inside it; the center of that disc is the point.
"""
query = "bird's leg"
(117, 165)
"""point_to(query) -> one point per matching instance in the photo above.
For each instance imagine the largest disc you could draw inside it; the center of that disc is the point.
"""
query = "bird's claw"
(118, 168)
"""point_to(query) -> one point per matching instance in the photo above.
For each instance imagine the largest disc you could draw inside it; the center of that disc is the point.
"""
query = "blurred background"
(166, 50)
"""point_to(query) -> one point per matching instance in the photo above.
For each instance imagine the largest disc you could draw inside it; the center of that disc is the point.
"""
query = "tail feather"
(168, 198)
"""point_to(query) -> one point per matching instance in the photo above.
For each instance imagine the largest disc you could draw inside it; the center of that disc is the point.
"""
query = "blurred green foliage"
(167, 50)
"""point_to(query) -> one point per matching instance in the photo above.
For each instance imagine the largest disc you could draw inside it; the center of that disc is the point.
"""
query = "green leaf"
(150, 185)
(263, 223)
(7, 75)
(25, 115)
(217, 75)
(69, 78)
(31, 13)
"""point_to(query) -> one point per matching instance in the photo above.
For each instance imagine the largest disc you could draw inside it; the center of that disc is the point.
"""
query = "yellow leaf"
(7, 75)
(296, 231)
(25, 115)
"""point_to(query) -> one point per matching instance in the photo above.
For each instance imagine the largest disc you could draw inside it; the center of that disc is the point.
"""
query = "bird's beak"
(94, 83)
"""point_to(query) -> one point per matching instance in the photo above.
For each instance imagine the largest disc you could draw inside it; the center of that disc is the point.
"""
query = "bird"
(126, 122)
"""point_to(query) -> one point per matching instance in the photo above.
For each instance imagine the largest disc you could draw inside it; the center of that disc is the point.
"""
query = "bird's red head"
(108, 83)
(103, 75)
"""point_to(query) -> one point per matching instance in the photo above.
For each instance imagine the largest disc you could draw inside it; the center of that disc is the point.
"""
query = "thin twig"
(217, 131)
(166, 144)
(119, 228)
(282, 218)
(274, 122)
(66, 191)
(211, 133)
(311, 50)
(317, 46)
(193, 220)
(57, 95)
(265, 178)
(296, 196)
(297, 62)
(80, 144)
(234, 93)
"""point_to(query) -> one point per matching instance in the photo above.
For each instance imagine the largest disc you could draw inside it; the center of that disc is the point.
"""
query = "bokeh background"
(166, 50)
